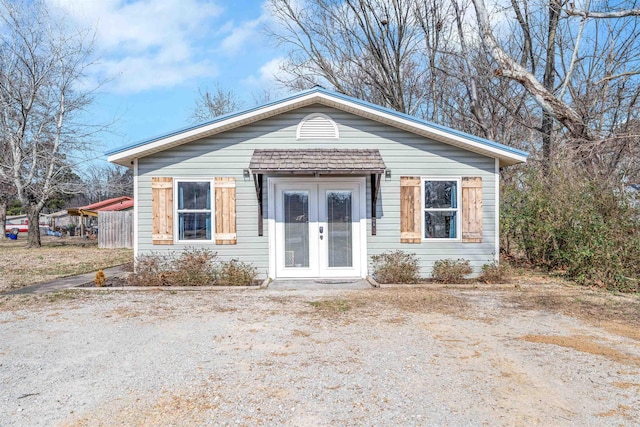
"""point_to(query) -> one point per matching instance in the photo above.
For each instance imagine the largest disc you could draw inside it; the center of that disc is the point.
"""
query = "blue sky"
(156, 54)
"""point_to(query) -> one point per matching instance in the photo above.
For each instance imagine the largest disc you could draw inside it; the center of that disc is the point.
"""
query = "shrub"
(191, 267)
(450, 271)
(395, 267)
(495, 272)
(236, 273)
(565, 220)
(194, 267)
(150, 270)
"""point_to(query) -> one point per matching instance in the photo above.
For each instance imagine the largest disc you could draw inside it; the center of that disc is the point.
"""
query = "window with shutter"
(436, 209)
(162, 210)
(225, 189)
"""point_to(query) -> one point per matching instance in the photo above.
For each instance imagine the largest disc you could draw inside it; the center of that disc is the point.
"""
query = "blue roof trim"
(318, 89)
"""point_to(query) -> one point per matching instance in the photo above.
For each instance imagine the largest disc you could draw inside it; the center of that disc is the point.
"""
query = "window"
(194, 212)
(440, 198)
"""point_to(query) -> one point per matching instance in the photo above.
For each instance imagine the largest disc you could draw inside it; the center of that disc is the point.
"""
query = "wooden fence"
(115, 229)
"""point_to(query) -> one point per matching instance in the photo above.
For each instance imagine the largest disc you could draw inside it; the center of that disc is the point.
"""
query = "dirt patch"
(585, 344)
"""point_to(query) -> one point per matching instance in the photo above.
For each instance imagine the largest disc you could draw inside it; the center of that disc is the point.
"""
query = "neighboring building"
(85, 217)
(316, 183)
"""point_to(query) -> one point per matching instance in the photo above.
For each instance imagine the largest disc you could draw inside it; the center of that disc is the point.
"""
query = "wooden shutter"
(471, 210)
(162, 211)
(410, 210)
(225, 211)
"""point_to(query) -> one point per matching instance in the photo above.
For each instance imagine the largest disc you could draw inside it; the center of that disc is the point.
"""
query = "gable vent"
(317, 126)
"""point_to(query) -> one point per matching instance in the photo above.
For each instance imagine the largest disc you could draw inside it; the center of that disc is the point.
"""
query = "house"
(312, 185)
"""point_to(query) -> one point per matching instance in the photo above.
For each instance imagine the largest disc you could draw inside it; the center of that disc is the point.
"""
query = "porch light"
(387, 174)
(246, 174)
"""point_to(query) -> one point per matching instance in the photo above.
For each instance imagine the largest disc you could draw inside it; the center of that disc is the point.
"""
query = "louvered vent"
(317, 126)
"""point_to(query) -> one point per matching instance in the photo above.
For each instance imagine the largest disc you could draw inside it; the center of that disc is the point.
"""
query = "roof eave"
(506, 155)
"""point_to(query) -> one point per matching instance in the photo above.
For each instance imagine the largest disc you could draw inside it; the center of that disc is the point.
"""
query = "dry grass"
(617, 313)
(584, 344)
(21, 266)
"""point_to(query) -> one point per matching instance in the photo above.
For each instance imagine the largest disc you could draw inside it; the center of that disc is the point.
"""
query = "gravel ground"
(396, 356)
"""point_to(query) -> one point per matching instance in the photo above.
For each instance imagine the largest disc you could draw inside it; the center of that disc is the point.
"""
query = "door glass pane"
(296, 228)
(339, 233)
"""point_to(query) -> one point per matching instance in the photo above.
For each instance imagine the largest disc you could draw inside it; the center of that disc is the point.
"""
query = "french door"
(317, 229)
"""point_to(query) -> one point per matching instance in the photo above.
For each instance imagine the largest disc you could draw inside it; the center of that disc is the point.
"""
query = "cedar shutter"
(225, 189)
(410, 210)
(472, 210)
(162, 211)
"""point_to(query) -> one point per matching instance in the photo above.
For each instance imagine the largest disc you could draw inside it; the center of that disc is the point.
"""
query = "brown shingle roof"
(317, 160)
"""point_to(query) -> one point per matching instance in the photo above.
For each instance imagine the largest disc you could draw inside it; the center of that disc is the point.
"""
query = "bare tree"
(211, 104)
(409, 55)
(42, 66)
(107, 181)
(595, 103)
(369, 49)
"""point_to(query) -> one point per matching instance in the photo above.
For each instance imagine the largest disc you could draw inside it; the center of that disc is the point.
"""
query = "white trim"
(497, 211)
(271, 223)
(457, 210)
(136, 208)
(232, 122)
(271, 226)
(336, 133)
(212, 210)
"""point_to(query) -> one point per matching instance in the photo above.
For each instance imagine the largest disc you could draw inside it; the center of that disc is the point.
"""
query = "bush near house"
(494, 272)
(451, 271)
(191, 267)
(395, 267)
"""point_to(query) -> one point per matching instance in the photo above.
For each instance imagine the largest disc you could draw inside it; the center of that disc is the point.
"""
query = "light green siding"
(406, 154)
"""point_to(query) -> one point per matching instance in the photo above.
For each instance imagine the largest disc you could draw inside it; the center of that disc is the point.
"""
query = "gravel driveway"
(391, 356)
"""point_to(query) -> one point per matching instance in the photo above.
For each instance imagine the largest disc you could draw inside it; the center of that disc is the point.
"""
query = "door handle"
(321, 229)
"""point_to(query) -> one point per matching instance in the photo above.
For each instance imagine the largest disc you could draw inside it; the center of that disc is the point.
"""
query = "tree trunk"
(549, 83)
(3, 217)
(33, 236)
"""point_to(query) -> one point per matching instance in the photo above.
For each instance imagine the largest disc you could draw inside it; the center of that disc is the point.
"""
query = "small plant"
(451, 271)
(194, 267)
(495, 272)
(236, 273)
(100, 279)
(150, 270)
(395, 267)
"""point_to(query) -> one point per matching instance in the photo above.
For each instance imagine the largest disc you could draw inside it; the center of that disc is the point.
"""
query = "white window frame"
(457, 210)
(176, 211)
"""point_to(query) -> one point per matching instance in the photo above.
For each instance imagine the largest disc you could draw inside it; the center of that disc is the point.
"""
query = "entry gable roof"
(317, 160)
(318, 95)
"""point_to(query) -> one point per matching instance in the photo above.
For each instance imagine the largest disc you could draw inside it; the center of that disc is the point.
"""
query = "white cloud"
(239, 36)
(148, 43)
(267, 76)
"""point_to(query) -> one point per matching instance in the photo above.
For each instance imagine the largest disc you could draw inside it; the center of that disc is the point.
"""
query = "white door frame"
(272, 182)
